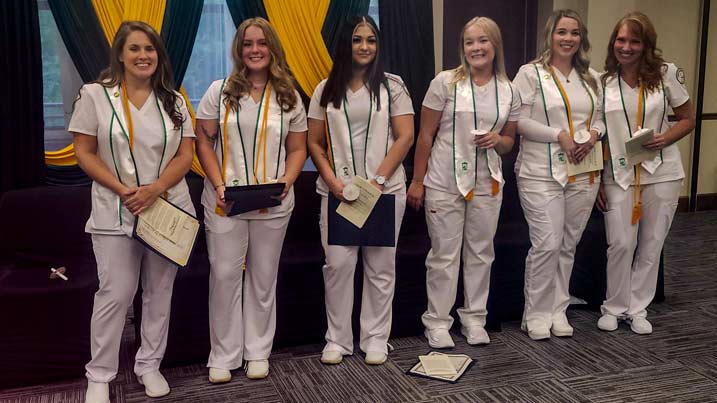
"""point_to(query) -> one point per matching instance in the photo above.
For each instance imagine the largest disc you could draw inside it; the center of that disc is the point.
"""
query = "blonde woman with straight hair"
(560, 122)
(472, 113)
(252, 130)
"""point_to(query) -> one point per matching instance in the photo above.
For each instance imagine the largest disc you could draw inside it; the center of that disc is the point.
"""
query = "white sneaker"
(154, 384)
(375, 357)
(607, 322)
(640, 325)
(540, 331)
(439, 338)
(561, 327)
(219, 375)
(475, 335)
(97, 392)
(331, 357)
(257, 369)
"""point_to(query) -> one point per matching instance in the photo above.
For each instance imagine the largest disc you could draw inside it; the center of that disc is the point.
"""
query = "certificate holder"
(634, 149)
(253, 197)
(168, 231)
(379, 229)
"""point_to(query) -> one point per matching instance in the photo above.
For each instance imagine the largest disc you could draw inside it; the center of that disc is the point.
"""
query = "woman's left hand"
(657, 143)
(143, 198)
(287, 186)
(582, 150)
(488, 140)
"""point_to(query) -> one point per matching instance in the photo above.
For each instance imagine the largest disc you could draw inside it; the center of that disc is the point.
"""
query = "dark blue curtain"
(179, 30)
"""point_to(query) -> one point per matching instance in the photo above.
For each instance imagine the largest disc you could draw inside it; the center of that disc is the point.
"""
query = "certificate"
(592, 162)
(460, 363)
(634, 150)
(357, 211)
(168, 231)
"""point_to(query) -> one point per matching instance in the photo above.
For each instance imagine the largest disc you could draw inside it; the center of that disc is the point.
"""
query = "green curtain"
(337, 13)
(243, 9)
(84, 39)
(408, 22)
(179, 30)
(21, 144)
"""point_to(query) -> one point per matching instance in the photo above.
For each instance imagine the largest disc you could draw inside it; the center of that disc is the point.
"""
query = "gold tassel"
(469, 196)
(496, 188)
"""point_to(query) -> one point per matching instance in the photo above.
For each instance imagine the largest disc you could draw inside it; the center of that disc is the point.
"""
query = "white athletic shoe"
(154, 384)
(97, 392)
(219, 375)
(257, 369)
(640, 325)
(475, 335)
(439, 338)
(607, 322)
(561, 327)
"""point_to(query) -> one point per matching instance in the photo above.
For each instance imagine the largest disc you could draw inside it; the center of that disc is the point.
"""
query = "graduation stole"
(637, 196)
(569, 112)
(495, 186)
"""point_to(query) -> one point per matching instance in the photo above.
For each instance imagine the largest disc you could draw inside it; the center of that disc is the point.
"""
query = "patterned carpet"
(677, 363)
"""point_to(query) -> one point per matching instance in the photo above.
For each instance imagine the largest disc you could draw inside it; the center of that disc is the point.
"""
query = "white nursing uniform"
(253, 239)
(360, 137)
(121, 260)
(634, 250)
(456, 168)
(557, 209)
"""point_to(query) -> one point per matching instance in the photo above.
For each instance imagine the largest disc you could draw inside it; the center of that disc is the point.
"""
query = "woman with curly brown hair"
(133, 136)
(639, 201)
(252, 130)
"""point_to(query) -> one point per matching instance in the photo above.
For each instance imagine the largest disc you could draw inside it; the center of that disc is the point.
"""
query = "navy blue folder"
(253, 197)
(379, 229)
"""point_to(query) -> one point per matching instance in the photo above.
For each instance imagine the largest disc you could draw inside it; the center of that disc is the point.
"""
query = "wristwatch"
(380, 179)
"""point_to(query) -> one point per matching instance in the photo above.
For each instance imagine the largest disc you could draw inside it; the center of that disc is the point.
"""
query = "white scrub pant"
(454, 222)
(379, 277)
(121, 263)
(556, 219)
(243, 331)
(632, 273)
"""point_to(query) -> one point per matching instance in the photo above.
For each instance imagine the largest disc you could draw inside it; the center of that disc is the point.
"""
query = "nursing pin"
(116, 94)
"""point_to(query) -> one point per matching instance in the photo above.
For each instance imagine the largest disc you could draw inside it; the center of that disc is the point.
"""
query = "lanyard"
(569, 112)
(637, 196)
(262, 132)
(129, 133)
(495, 186)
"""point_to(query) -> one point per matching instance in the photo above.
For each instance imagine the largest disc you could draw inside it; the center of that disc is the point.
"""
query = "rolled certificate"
(581, 136)
(351, 192)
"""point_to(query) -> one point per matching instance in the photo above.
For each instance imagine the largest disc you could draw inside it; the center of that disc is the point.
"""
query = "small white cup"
(350, 192)
(581, 136)
(478, 133)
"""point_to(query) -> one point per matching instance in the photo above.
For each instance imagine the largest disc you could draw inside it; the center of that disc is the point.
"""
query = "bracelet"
(419, 181)
(219, 185)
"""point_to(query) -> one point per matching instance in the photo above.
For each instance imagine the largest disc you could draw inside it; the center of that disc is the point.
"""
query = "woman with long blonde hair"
(559, 126)
(133, 136)
(472, 113)
(252, 130)
(639, 200)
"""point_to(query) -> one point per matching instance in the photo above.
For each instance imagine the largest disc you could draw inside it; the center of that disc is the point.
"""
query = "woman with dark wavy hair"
(252, 130)
(360, 123)
(559, 126)
(133, 136)
(639, 199)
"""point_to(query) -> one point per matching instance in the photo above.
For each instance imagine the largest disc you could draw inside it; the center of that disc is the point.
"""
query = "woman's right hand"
(568, 145)
(601, 200)
(126, 193)
(415, 195)
(221, 201)
(337, 188)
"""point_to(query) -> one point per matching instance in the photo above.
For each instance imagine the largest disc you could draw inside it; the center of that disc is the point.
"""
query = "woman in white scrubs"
(133, 136)
(252, 130)
(639, 201)
(360, 123)
(472, 112)
(559, 125)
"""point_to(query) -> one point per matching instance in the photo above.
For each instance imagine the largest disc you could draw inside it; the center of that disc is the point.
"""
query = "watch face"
(380, 179)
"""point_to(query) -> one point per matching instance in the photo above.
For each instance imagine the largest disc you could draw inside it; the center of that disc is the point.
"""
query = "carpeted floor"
(677, 363)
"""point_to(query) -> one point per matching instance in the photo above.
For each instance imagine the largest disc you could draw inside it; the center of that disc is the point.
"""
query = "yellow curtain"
(111, 13)
(298, 24)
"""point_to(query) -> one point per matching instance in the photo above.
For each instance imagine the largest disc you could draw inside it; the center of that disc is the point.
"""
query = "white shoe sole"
(561, 333)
